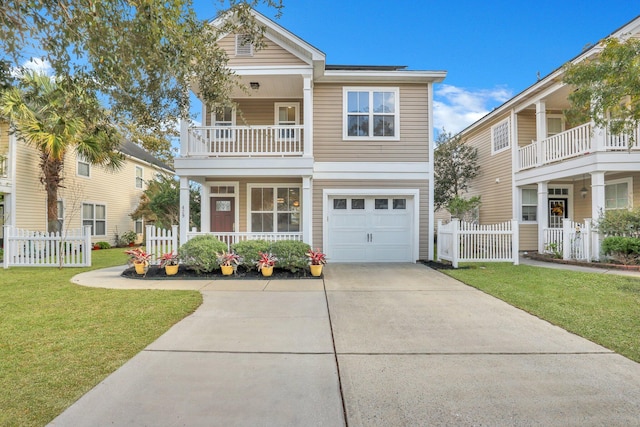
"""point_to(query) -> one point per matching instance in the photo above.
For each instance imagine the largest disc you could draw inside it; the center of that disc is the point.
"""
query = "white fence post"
(587, 239)
(515, 241)
(7, 246)
(566, 238)
(439, 241)
(455, 234)
(174, 240)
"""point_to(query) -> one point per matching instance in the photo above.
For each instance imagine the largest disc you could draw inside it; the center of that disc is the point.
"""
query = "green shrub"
(291, 254)
(620, 222)
(103, 245)
(249, 251)
(199, 253)
(625, 250)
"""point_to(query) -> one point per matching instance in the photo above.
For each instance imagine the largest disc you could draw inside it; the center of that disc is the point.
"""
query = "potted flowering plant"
(139, 258)
(170, 262)
(316, 260)
(228, 262)
(265, 263)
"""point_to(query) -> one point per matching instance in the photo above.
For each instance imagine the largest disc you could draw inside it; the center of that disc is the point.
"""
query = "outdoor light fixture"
(583, 190)
(254, 85)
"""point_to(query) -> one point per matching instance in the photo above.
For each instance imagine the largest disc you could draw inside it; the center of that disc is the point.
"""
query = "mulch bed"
(185, 273)
(440, 265)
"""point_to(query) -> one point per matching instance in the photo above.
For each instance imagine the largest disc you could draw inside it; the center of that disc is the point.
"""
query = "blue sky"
(491, 50)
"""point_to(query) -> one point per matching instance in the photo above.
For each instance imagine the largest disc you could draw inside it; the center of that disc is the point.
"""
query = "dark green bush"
(103, 245)
(291, 254)
(199, 253)
(249, 251)
(625, 250)
(619, 222)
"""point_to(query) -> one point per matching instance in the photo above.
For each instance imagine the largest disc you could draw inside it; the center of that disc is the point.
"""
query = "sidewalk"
(558, 266)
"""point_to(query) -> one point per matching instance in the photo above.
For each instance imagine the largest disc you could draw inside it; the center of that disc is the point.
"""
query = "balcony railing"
(245, 141)
(572, 143)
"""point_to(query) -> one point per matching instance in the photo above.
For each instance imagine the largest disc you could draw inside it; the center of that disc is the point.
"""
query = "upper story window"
(501, 136)
(223, 117)
(244, 47)
(84, 167)
(139, 177)
(371, 113)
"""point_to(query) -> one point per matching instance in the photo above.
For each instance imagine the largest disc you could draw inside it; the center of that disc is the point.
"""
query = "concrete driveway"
(398, 345)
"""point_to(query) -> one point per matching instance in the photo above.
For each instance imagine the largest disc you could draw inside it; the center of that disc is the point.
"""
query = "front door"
(557, 212)
(223, 214)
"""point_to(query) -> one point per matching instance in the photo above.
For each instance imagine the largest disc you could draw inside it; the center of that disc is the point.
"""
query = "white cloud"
(42, 66)
(455, 108)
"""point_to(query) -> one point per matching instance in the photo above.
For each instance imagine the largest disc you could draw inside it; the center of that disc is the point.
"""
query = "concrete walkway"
(370, 345)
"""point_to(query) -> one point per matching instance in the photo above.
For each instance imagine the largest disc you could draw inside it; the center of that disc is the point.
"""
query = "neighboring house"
(539, 169)
(89, 196)
(337, 156)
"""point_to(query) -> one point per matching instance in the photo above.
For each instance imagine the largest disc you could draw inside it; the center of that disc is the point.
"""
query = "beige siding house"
(90, 195)
(337, 156)
(538, 168)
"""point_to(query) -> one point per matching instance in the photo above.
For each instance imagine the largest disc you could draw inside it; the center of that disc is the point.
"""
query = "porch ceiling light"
(254, 85)
(583, 190)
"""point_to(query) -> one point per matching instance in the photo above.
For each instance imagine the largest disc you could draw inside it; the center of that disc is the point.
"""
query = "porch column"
(205, 208)
(184, 137)
(541, 214)
(597, 206)
(184, 209)
(307, 210)
(541, 120)
(308, 117)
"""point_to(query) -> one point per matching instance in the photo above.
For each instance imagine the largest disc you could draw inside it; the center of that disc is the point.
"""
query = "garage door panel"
(367, 234)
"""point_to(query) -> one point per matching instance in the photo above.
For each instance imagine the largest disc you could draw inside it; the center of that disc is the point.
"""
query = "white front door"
(370, 229)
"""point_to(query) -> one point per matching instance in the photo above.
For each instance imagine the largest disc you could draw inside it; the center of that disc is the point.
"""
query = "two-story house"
(538, 168)
(337, 156)
(89, 195)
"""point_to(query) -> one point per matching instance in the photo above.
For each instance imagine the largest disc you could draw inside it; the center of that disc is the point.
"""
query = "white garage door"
(370, 229)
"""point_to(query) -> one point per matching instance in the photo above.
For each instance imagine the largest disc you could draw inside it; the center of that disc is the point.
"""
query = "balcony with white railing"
(245, 141)
(572, 143)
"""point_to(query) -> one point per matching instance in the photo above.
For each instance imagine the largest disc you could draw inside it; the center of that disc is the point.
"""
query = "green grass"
(58, 340)
(604, 308)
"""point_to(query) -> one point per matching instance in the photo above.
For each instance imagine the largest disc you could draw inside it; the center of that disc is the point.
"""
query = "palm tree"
(56, 116)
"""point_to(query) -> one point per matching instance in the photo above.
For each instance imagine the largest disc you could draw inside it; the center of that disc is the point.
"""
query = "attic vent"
(243, 45)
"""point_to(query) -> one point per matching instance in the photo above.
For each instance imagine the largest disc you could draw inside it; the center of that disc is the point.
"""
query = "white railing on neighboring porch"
(467, 242)
(245, 141)
(232, 237)
(25, 248)
(572, 143)
(575, 241)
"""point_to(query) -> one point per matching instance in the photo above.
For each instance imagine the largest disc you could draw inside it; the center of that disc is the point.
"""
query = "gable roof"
(630, 27)
(131, 149)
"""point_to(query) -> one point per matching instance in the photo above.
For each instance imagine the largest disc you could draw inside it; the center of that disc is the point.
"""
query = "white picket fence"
(468, 242)
(161, 241)
(25, 248)
(574, 240)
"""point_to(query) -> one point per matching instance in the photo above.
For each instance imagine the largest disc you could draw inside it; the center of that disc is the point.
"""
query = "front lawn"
(58, 340)
(604, 308)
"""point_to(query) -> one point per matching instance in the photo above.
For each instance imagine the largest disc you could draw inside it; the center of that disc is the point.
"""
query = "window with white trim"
(616, 194)
(95, 215)
(60, 215)
(501, 136)
(138, 226)
(274, 209)
(371, 113)
(244, 47)
(83, 167)
(139, 177)
(529, 205)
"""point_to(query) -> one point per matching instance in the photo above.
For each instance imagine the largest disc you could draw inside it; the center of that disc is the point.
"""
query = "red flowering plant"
(170, 258)
(316, 257)
(266, 260)
(138, 256)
